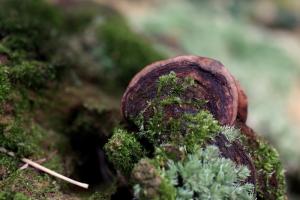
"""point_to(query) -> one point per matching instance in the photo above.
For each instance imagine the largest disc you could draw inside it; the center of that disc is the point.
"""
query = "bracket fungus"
(213, 83)
(187, 104)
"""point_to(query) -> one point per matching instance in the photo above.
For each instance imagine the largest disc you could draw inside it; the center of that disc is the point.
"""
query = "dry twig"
(44, 169)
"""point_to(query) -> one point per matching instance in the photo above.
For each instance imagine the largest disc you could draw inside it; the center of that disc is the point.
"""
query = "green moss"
(125, 51)
(32, 74)
(200, 128)
(13, 196)
(189, 130)
(7, 166)
(4, 50)
(268, 164)
(20, 196)
(30, 183)
(23, 141)
(4, 84)
(28, 37)
(167, 191)
(173, 86)
(123, 150)
(28, 25)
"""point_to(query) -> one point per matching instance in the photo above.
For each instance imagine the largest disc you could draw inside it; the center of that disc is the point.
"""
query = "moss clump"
(272, 179)
(126, 52)
(150, 183)
(21, 140)
(189, 130)
(123, 150)
(32, 74)
(170, 85)
(200, 128)
(28, 25)
(29, 34)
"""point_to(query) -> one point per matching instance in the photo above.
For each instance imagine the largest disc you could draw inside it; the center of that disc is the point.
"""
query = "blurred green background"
(258, 40)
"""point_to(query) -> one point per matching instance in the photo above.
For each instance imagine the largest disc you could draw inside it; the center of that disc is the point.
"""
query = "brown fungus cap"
(213, 82)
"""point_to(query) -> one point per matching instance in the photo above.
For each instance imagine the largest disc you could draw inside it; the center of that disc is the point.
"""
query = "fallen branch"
(40, 161)
(44, 169)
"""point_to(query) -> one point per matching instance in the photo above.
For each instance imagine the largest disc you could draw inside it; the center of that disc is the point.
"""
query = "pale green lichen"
(232, 134)
(202, 175)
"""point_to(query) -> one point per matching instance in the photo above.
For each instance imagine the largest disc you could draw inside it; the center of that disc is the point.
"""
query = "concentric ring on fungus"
(213, 81)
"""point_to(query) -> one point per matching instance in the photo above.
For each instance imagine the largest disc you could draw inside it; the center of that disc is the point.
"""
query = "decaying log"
(213, 83)
(226, 100)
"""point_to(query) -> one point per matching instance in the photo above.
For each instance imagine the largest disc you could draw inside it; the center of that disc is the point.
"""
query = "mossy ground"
(47, 100)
